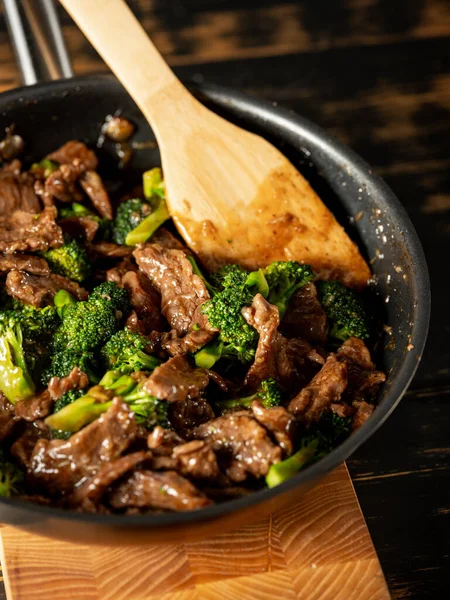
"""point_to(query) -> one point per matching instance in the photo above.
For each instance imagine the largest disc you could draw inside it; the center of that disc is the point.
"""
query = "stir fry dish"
(134, 381)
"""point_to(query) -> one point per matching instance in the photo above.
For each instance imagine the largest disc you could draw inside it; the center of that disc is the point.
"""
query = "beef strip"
(109, 250)
(321, 392)
(89, 494)
(24, 262)
(23, 446)
(145, 301)
(79, 227)
(188, 344)
(8, 418)
(161, 490)
(17, 193)
(37, 407)
(75, 152)
(241, 444)
(196, 459)
(305, 317)
(62, 184)
(40, 291)
(116, 273)
(363, 378)
(175, 380)
(23, 231)
(275, 355)
(164, 238)
(58, 466)
(182, 292)
(279, 422)
(363, 411)
(92, 184)
(76, 380)
(162, 441)
(190, 413)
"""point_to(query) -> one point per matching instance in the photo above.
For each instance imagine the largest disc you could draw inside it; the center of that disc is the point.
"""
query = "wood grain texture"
(319, 549)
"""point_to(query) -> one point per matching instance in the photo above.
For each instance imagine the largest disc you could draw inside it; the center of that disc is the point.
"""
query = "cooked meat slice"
(275, 356)
(363, 378)
(45, 197)
(24, 262)
(75, 152)
(145, 301)
(110, 250)
(117, 128)
(92, 184)
(196, 459)
(62, 184)
(321, 392)
(163, 490)
(22, 448)
(241, 444)
(305, 317)
(17, 193)
(164, 238)
(182, 292)
(189, 344)
(190, 413)
(8, 418)
(58, 466)
(40, 291)
(342, 410)
(116, 273)
(162, 441)
(75, 380)
(281, 424)
(175, 380)
(76, 227)
(90, 492)
(11, 145)
(23, 231)
(35, 408)
(363, 411)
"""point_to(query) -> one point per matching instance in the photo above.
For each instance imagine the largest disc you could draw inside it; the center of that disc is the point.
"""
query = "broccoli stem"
(15, 380)
(285, 469)
(77, 414)
(258, 280)
(236, 402)
(62, 300)
(153, 184)
(149, 225)
(209, 354)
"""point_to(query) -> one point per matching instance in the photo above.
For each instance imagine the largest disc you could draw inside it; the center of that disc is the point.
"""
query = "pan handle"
(37, 39)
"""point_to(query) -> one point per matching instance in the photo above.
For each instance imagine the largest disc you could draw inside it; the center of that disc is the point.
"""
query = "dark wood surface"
(375, 73)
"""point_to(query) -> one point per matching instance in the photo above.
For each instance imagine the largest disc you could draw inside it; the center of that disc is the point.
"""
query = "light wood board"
(319, 549)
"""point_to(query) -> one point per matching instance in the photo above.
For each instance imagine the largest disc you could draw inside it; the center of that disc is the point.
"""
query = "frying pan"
(49, 114)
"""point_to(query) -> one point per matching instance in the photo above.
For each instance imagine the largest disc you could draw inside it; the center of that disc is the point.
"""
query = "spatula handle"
(123, 44)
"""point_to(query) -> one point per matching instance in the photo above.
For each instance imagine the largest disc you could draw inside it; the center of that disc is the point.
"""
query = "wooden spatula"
(232, 195)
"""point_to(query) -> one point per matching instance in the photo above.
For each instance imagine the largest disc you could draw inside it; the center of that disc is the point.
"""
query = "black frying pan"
(49, 114)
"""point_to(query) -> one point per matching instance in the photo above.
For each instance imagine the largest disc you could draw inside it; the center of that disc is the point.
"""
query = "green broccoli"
(15, 379)
(70, 260)
(125, 353)
(104, 231)
(148, 410)
(285, 278)
(330, 431)
(257, 281)
(62, 301)
(11, 477)
(149, 225)
(67, 398)
(344, 310)
(64, 360)
(268, 393)
(153, 184)
(128, 216)
(46, 166)
(237, 339)
(117, 297)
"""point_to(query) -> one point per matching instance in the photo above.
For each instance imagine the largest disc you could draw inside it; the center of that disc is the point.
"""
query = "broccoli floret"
(67, 398)
(149, 411)
(149, 225)
(63, 361)
(257, 281)
(153, 184)
(344, 310)
(129, 215)
(285, 278)
(125, 353)
(15, 379)
(268, 393)
(118, 298)
(11, 477)
(70, 260)
(237, 339)
(330, 431)
(62, 301)
(104, 231)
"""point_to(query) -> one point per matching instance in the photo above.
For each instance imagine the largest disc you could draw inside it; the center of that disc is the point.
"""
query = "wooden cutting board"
(319, 549)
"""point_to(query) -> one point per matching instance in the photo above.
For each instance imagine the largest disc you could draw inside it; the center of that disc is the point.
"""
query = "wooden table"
(375, 73)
